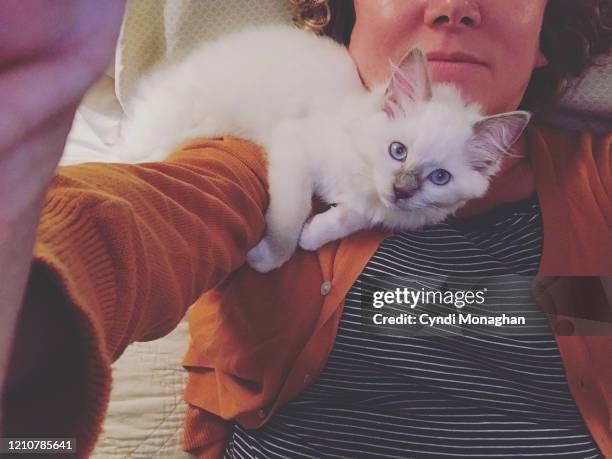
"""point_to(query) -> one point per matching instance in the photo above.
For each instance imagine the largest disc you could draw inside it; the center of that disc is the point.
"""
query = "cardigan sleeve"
(122, 251)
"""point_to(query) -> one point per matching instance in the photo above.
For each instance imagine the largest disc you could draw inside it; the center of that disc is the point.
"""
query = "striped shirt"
(462, 393)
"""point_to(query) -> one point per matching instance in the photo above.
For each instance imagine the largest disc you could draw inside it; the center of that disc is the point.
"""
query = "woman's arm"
(122, 251)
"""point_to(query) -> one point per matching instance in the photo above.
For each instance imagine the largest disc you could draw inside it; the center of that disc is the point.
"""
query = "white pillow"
(162, 31)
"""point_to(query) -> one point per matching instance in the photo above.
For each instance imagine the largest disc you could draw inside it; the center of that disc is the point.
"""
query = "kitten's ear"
(409, 83)
(493, 137)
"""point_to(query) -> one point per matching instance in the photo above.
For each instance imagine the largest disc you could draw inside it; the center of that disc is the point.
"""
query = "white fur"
(300, 97)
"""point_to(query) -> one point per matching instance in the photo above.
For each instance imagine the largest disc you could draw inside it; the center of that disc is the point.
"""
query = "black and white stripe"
(471, 395)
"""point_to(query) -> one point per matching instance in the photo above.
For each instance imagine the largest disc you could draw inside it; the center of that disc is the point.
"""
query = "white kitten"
(403, 155)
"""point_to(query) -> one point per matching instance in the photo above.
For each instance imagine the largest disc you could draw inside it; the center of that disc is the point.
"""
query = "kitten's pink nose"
(404, 192)
(406, 185)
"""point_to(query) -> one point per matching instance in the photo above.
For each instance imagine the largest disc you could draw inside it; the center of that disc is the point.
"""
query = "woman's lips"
(453, 65)
(451, 70)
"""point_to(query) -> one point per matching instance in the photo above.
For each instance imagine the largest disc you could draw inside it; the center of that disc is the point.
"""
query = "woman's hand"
(50, 53)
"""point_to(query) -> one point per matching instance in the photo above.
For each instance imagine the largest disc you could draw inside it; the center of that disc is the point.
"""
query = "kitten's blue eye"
(440, 177)
(398, 151)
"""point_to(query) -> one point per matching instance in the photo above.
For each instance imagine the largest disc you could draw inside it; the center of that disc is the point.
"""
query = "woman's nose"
(452, 13)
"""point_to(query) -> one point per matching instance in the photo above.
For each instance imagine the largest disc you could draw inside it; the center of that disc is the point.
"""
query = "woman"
(140, 272)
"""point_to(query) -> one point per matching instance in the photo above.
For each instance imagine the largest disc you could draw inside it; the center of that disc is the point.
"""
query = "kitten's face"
(427, 148)
(424, 159)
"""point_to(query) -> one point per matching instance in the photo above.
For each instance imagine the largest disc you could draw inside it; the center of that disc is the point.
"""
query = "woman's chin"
(472, 80)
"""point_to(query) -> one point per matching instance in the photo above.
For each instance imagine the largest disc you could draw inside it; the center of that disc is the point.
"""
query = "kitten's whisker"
(425, 206)
(431, 205)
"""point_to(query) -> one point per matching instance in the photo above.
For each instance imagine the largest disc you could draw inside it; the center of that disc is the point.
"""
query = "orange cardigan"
(126, 249)
(259, 339)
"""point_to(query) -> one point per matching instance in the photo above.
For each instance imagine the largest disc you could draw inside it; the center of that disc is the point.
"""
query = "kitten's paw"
(311, 237)
(263, 258)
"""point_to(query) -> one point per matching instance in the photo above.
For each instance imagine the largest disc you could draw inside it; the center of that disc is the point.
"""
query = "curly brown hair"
(574, 33)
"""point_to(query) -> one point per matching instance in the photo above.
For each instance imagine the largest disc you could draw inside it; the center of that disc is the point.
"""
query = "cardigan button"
(261, 413)
(325, 287)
